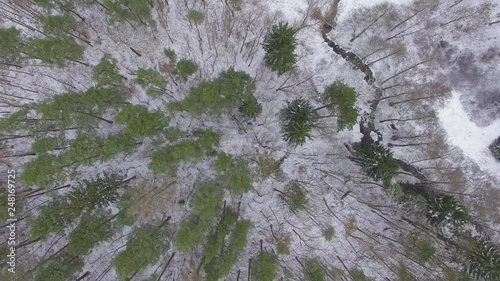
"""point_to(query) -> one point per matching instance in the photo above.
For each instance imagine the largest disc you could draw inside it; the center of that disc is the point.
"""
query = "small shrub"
(283, 241)
(186, 68)
(404, 274)
(314, 270)
(207, 139)
(149, 197)
(267, 165)
(421, 249)
(351, 227)
(359, 275)
(328, 233)
(236, 4)
(152, 81)
(294, 196)
(173, 134)
(195, 16)
(233, 174)
(105, 73)
(170, 54)
(250, 107)
(168, 158)
(395, 190)
(206, 200)
(168, 68)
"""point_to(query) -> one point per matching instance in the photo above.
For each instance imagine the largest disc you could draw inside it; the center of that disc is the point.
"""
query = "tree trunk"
(382, 58)
(405, 120)
(97, 117)
(249, 268)
(414, 99)
(165, 268)
(408, 144)
(408, 18)
(405, 70)
(368, 27)
(83, 276)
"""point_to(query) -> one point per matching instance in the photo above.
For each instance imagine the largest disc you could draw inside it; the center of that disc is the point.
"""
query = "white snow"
(470, 138)
(346, 6)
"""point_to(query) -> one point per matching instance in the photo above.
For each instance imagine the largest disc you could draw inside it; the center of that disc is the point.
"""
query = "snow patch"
(470, 138)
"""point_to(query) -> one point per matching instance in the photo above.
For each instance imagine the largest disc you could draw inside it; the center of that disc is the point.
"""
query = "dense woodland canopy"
(242, 140)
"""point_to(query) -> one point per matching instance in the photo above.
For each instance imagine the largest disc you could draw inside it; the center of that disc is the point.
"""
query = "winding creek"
(367, 123)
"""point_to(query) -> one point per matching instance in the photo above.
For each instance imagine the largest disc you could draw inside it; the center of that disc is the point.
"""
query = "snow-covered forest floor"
(435, 63)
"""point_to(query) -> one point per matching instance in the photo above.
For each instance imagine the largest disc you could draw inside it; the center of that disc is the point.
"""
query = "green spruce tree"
(483, 260)
(264, 267)
(92, 229)
(53, 217)
(191, 232)
(61, 267)
(279, 45)
(10, 43)
(341, 100)
(140, 122)
(138, 11)
(376, 161)
(495, 148)
(105, 73)
(445, 210)
(218, 96)
(250, 107)
(96, 193)
(54, 50)
(144, 247)
(298, 118)
(58, 25)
